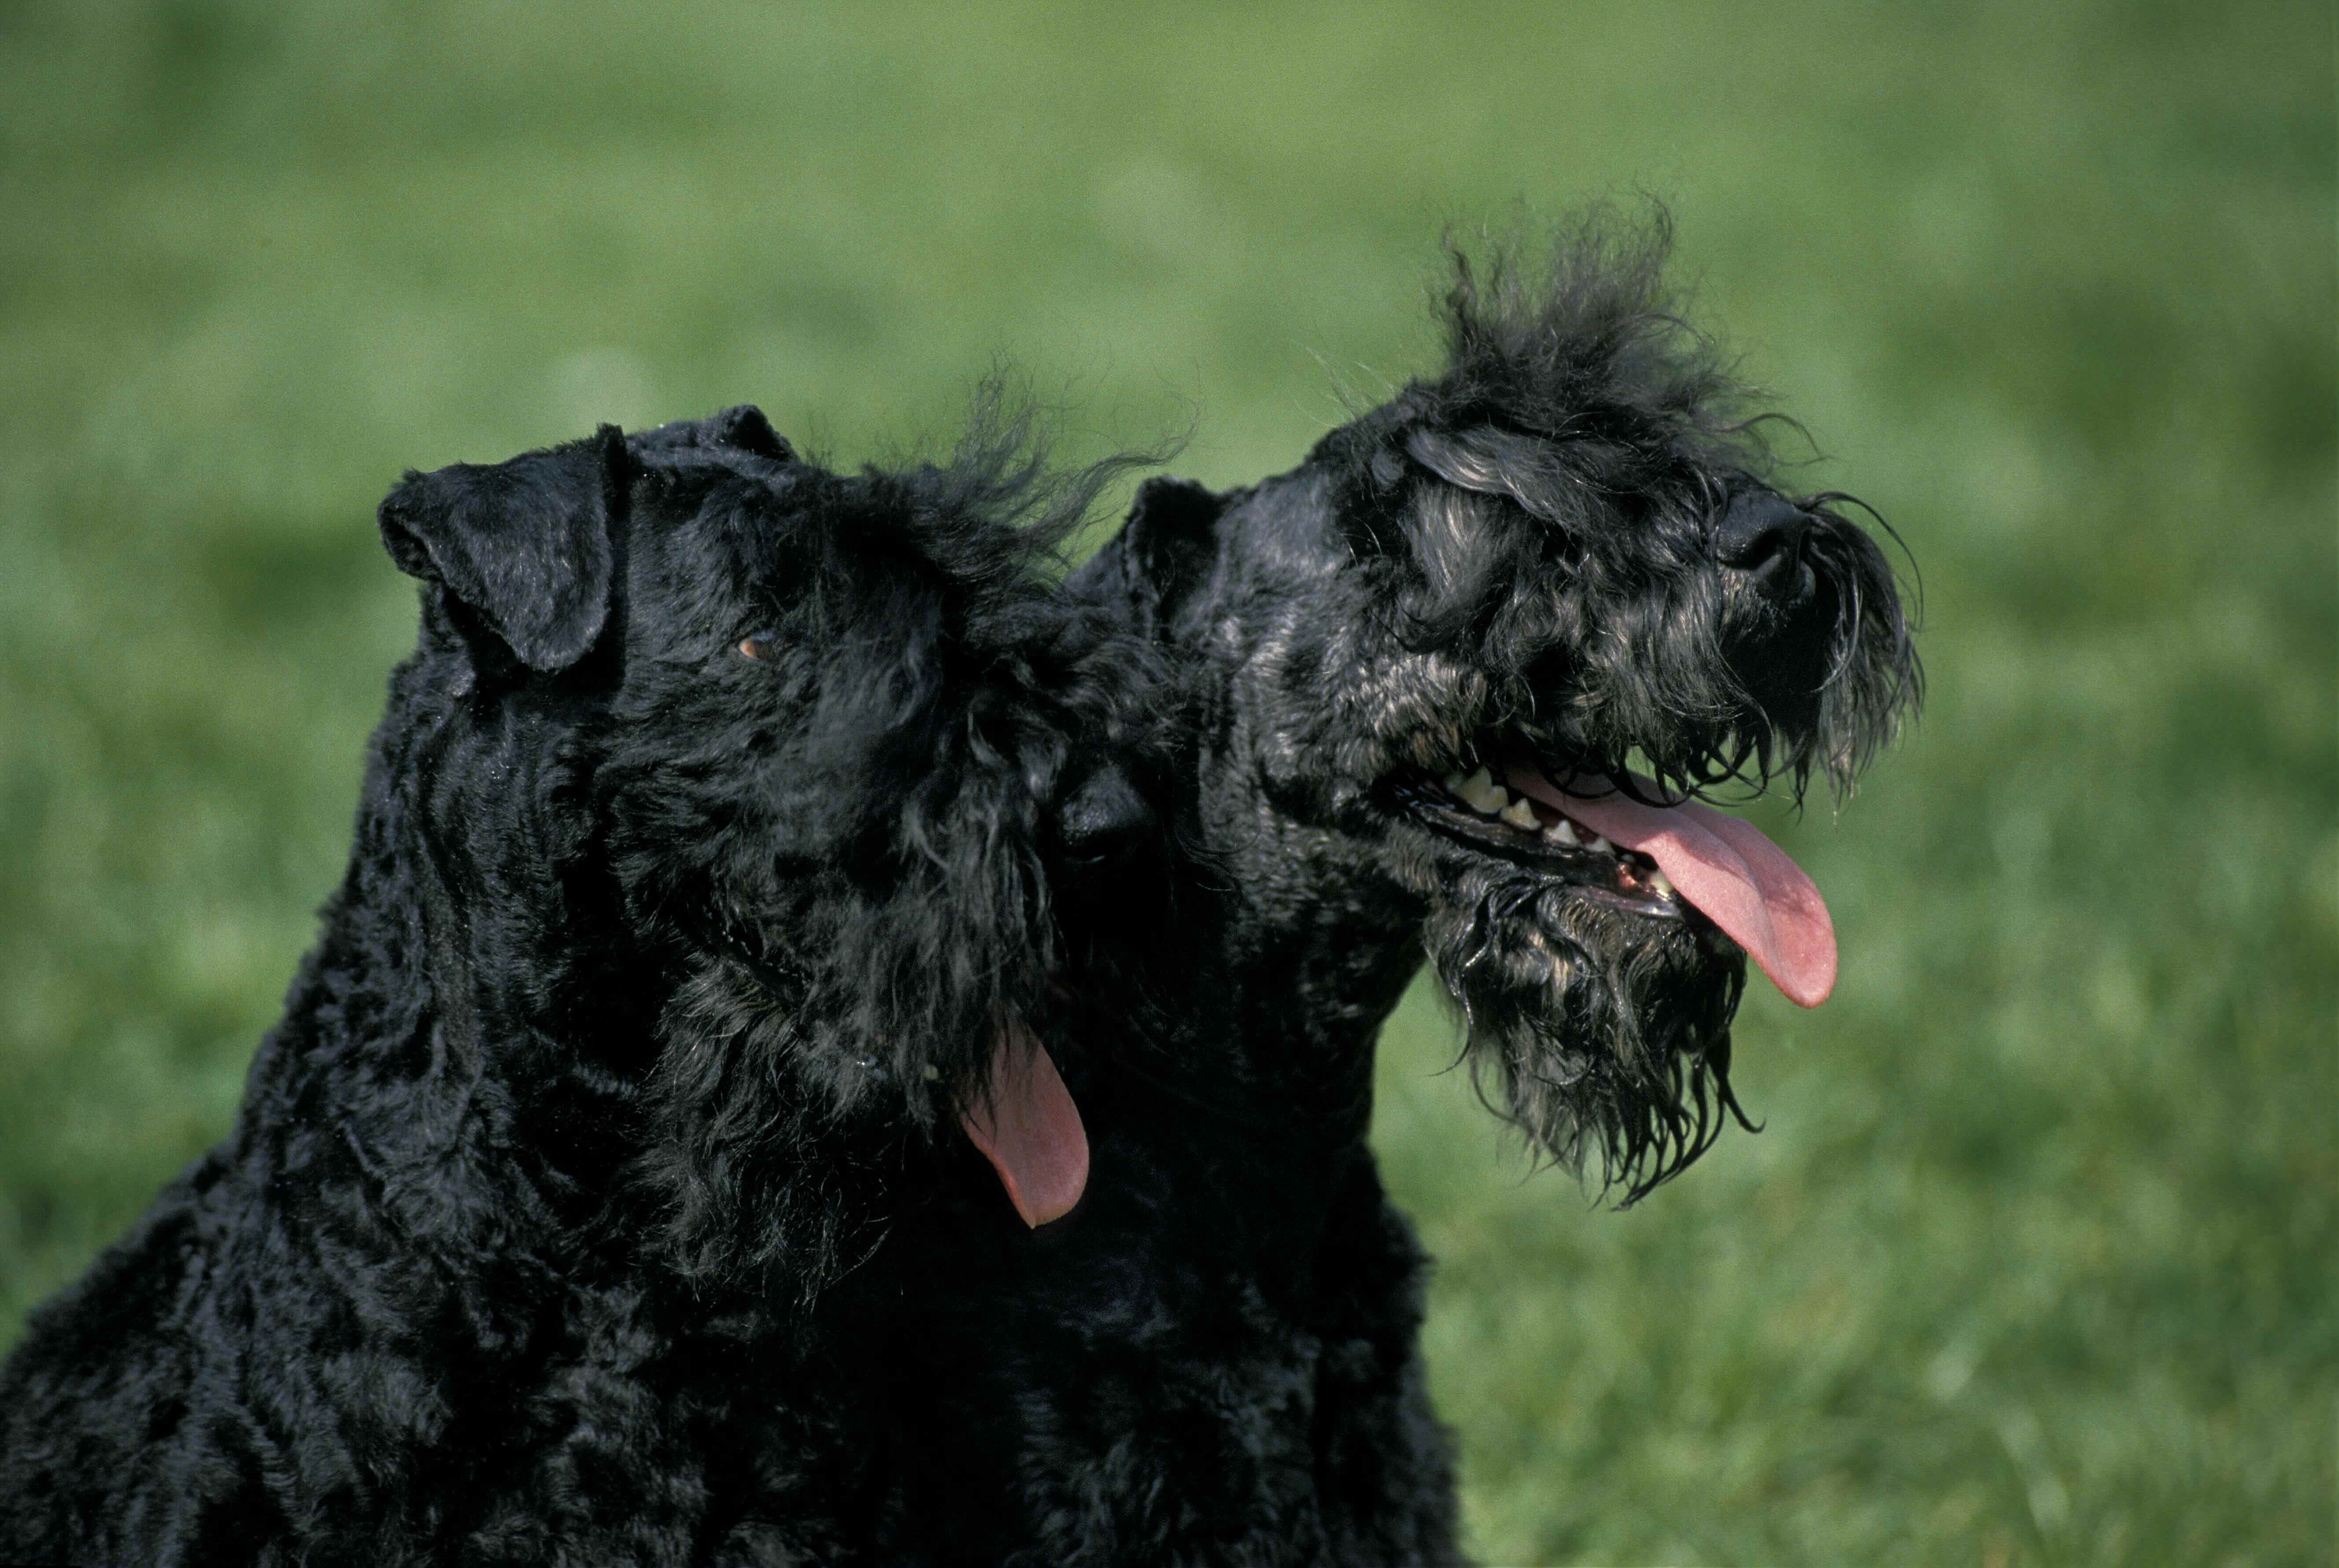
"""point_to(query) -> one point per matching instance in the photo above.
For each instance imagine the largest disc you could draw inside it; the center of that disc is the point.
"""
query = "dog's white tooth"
(1663, 883)
(1599, 845)
(1482, 793)
(1564, 832)
(1520, 812)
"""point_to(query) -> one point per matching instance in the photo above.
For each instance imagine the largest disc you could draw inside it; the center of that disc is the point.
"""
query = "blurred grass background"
(2037, 1261)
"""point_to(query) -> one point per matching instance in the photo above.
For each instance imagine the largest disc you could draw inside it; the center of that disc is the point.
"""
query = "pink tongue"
(1742, 882)
(1028, 1128)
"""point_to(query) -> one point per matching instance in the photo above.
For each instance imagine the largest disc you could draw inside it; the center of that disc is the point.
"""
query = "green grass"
(2038, 1260)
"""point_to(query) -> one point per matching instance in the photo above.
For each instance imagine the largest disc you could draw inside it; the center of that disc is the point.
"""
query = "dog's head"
(1486, 647)
(798, 767)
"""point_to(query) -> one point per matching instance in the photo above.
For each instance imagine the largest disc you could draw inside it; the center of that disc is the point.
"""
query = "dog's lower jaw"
(1602, 1034)
(1596, 1023)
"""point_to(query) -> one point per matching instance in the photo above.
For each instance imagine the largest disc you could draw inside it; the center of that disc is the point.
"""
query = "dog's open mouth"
(1484, 816)
(1652, 859)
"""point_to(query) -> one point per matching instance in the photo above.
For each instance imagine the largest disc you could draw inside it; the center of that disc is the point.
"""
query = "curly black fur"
(1565, 549)
(724, 809)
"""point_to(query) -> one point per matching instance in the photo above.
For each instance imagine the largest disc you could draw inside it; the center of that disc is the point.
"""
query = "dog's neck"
(1264, 994)
(1316, 962)
(446, 1073)
(1306, 944)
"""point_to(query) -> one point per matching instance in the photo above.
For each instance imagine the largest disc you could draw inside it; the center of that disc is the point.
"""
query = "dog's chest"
(1160, 1372)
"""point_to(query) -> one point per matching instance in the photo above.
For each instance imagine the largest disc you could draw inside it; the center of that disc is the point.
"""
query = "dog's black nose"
(1762, 535)
(1758, 526)
(1104, 820)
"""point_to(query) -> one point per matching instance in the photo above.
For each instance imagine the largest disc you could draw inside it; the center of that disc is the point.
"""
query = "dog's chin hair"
(756, 1178)
(1603, 1036)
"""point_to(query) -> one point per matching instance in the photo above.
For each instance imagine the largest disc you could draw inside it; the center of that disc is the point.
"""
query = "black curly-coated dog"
(1452, 685)
(712, 856)
(659, 1161)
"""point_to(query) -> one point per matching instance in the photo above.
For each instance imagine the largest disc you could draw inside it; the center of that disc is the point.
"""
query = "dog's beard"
(1598, 1032)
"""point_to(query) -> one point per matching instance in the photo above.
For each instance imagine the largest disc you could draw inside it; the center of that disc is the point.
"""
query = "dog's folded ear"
(1161, 555)
(524, 544)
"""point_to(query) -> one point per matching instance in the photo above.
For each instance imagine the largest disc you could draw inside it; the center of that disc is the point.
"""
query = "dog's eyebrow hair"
(1495, 462)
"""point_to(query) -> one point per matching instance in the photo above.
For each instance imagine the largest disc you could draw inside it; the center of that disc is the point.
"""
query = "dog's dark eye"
(753, 645)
